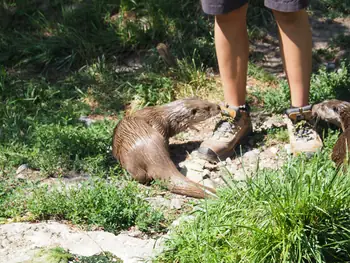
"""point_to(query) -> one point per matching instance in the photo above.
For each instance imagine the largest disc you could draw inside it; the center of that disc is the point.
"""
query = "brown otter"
(336, 112)
(140, 142)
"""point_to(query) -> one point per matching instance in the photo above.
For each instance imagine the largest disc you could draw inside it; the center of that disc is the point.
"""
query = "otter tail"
(180, 184)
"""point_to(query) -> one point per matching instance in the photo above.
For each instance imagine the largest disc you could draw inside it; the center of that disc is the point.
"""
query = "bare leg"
(232, 49)
(296, 49)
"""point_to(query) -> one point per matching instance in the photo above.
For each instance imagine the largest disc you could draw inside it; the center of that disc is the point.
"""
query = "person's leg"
(296, 50)
(232, 49)
(231, 44)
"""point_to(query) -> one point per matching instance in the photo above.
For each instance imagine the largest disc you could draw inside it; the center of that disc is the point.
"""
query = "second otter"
(336, 112)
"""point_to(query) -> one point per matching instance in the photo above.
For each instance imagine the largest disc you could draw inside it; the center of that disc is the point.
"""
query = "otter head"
(182, 114)
(332, 111)
(200, 110)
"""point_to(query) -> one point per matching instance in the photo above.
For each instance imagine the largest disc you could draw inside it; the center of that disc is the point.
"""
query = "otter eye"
(193, 111)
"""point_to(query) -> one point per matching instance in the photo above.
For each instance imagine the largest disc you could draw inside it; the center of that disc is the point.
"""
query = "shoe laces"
(225, 126)
(303, 130)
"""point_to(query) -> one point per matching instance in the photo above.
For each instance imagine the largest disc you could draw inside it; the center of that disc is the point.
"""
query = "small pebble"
(176, 203)
(288, 149)
(86, 120)
(274, 150)
(22, 168)
(194, 176)
(209, 183)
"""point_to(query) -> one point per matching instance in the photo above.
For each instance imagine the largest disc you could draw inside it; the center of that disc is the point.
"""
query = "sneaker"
(302, 135)
(234, 126)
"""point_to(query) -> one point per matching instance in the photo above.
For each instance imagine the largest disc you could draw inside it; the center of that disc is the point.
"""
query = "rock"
(193, 166)
(176, 203)
(194, 176)
(271, 122)
(274, 150)
(288, 149)
(222, 163)
(159, 202)
(330, 66)
(182, 219)
(19, 242)
(206, 173)
(210, 166)
(134, 232)
(219, 182)
(240, 176)
(254, 154)
(88, 121)
(22, 168)
(209, 183)
(24, 172)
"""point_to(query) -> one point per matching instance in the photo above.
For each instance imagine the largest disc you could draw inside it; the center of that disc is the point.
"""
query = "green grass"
(324, 85)
(297, 214)
(113, 205)
(62, 59)
(331, 8)
(276, 135)
(60, 255)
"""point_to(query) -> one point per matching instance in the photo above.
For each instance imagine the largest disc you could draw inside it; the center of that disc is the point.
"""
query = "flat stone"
(176, 203)
(274, 150)
(24, 238)
(194, 176)
(209, 183)
(194, 166)
(158, 202)
(240, 176)
(22, 168)
(252, 154)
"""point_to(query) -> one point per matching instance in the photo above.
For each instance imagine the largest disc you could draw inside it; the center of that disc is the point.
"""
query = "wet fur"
(336, 112)
(140, 143)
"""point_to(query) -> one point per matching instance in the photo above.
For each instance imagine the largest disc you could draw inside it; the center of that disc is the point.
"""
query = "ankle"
(297, 114)
(234, 112)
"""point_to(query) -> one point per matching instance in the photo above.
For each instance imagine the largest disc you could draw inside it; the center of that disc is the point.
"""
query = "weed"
(105, 257)
(95, 203)
(275, 136)
(296, 214)
(60, 255)
(56, 254)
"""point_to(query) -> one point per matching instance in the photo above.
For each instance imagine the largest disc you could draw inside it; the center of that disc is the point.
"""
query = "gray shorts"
(219, 7)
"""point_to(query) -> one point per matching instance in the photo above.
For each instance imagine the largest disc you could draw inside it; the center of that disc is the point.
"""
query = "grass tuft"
(297, 214)
(96, 202)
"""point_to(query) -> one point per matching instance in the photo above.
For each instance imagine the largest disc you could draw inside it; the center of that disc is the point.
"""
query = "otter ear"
(193, 111)
(335, 109)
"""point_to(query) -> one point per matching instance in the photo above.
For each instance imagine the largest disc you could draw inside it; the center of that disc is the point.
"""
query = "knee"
(289, 18)
(233, 17)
